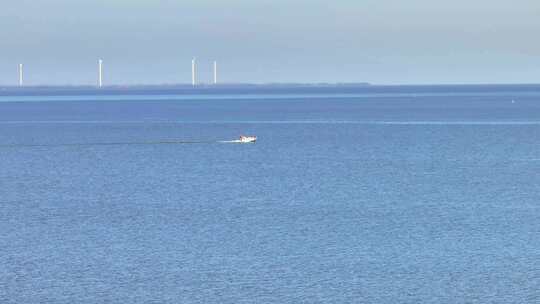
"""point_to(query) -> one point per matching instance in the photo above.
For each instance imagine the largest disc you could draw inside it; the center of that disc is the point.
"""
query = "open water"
(384, 195)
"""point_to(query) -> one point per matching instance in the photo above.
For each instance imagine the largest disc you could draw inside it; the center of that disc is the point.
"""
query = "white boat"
(247, 139)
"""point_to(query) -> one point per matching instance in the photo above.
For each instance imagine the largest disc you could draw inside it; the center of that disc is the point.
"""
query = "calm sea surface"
(412, 195)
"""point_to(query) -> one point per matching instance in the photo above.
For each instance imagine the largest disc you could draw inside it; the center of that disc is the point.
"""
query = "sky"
(261, 41)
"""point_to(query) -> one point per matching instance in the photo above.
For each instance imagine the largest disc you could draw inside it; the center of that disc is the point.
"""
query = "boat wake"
(104, 144)
(241, 140)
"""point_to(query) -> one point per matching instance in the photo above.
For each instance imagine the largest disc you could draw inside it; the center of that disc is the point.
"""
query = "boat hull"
(247, 139)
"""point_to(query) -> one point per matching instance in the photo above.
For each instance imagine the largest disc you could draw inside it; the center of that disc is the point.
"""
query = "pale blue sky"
(379, 41)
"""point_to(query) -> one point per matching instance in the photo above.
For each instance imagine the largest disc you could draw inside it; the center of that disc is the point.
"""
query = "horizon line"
(265, 84)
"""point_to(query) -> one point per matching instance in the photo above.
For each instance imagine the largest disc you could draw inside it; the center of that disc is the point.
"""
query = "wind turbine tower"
(100, 73)
(20, 74)
(215, 72)
(193, 80)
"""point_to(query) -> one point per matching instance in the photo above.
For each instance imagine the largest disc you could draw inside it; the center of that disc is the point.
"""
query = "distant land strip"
(277, 88)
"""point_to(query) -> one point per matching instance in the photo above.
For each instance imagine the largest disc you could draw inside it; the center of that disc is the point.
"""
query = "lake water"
(385, 195)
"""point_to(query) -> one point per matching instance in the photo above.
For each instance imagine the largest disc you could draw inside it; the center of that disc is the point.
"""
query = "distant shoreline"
(274, 88)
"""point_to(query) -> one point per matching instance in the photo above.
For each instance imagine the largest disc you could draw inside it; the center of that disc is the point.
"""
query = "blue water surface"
(386, 197)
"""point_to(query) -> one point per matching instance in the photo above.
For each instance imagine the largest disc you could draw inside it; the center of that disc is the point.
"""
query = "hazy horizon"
(380, 42)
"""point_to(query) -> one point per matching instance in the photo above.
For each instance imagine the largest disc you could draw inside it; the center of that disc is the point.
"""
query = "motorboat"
(247, 139)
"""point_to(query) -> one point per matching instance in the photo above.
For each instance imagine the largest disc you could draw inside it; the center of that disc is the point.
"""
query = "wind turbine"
(20, 74)
(193, 80)
(100, 73)
(215, 72)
